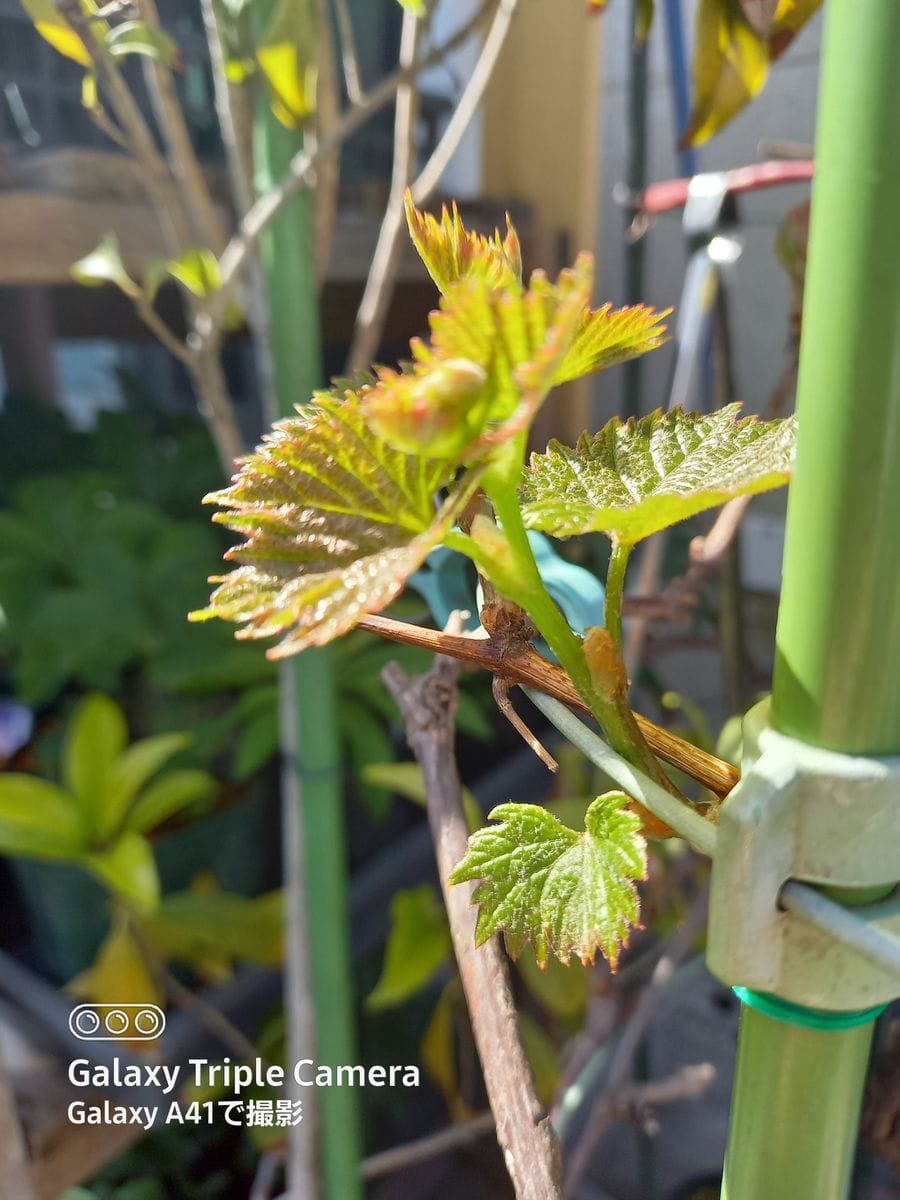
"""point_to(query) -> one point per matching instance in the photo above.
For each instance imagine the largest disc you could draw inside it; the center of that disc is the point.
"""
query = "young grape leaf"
(334, 520)
(493, 357)
(610, 335)
(631, 480)
(564, 892)
(451, 252)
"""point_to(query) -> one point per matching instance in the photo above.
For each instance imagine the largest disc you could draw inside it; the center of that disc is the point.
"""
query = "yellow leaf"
(286, 54)
(731, 64)
(119, 974)
(451, 252)
(438, 1052)
(790, 17)
(56, 30)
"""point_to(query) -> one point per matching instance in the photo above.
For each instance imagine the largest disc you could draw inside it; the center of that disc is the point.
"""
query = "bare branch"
(215, 404)
(328, 170)
(529, 1145)
(207, 227)
(379, 289)
(603, 1110)
(469, 101)
(349, 57)
(232, 114)
(160, 329)
(140, 140)
(301, 169)
(424, 1149)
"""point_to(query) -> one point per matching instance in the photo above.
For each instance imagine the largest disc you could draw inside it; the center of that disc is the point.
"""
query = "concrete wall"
(759, 290)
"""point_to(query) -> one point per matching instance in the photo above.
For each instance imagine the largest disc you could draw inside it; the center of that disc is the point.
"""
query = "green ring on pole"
(806, 1018)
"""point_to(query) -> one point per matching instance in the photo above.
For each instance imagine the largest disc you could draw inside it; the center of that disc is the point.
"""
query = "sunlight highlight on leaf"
(451, 252)
(335, 520)
(565, 893)
(632, 479)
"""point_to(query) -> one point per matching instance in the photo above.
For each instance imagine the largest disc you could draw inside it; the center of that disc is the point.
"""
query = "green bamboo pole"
(288, 263)
(798, 1090)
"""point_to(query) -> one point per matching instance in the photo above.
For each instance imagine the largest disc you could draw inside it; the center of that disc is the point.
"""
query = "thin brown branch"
(349, 59)
(215, 404)
(206, 225)
(533, 670)
(603, 1110)
(529, 1145)
(107, 125)
(227, 1033)
(379, 289)
(328, 171)
(637, 1102)
(160, 329)
(500, 690)
(468, 103)
(234, 124)
(398, 1158)
(302, 167)
(172, 219)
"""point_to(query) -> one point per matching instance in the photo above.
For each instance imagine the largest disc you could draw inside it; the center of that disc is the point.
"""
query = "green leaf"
(133, 769)
(105, 265)
(365, 740)
(542, 1058)
(335, 521)
(631, 480)
(451, 252)
(286, 53)
(493, 357)
(137, 37)
(564, 892)
(608, 336)
(197, 269)
(643, 20)
(192, 925)
(167, 796)
(38, 819)
(731, 64)
(562, 991)
(405, 779)
(56, 30)
(418, 945)
(129, 869)
(95, 738)
(437, 1051)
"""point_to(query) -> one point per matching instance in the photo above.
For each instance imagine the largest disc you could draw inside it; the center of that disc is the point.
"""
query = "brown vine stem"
(206, 224)
(529, 1145)
(531, 669)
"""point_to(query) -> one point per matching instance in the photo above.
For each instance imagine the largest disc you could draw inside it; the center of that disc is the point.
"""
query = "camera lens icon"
(117, 1022)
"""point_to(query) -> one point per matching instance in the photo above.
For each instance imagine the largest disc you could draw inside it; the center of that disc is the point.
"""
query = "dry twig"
(372, 311)
(529, 1145)
(603, 1111)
